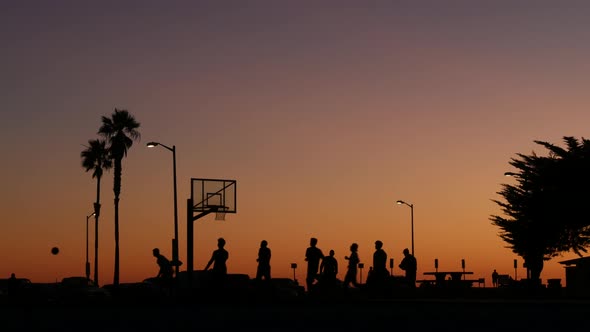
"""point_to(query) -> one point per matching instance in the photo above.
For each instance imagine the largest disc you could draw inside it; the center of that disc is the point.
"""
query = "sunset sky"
(325, 112)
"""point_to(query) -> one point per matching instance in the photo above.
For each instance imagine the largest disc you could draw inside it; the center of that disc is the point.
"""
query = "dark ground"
(420, 313)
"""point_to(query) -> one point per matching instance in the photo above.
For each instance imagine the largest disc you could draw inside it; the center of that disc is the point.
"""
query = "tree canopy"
(547, 211)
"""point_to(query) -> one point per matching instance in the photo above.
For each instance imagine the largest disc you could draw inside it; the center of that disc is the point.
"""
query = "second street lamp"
(175, 259)
(400, 202)
(87, 266)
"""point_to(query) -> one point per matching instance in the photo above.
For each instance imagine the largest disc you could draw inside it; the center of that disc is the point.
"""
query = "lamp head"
(152, 144)
(400, 202)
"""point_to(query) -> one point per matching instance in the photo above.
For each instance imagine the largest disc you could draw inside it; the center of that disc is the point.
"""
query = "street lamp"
(400, 202)
(294, 267)
(87, 262)
(175, 241)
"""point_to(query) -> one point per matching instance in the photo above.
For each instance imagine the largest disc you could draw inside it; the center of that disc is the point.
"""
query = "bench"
(479, 282)
(426, 282)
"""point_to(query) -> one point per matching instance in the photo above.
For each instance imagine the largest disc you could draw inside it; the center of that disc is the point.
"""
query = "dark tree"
(96, 158)
(547, 211)
(120, 130)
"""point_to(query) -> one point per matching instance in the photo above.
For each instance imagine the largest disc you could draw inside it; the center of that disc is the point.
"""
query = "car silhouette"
(80, 288)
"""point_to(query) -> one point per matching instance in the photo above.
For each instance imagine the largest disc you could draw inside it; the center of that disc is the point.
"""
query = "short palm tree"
(120, 130)
(95, 158)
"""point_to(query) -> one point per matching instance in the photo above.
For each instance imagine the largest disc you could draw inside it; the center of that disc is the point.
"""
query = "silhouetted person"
(165, 271)
(379, 259)
(329, 269)
(379, 272)
(218, 259)
(495, 278)
(263, 262)
(353, 262)
(13, 284)
(409, 265)
(313, 255)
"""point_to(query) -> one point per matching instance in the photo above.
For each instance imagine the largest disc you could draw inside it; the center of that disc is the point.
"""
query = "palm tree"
(120, 130)
(96, 158)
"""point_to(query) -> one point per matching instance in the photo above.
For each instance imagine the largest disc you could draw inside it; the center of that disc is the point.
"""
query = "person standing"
(263, 260)
(379, 260)
(218, 259)
(329, 269)
(13, 284)
(495, 278)
(377, 276)
(410, 265)
(313, 255)
(353, 262)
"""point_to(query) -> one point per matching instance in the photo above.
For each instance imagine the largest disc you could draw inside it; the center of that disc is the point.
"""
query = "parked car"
(277, 289)
(80, 288)
(14, 284)
(135, 291)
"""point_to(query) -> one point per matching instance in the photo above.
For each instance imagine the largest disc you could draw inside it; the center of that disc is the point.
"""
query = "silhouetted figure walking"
(495, 278)
(353, 262)
(165, 271)
(263, 262)
(409, 265)
(329, 269)
(313, 255)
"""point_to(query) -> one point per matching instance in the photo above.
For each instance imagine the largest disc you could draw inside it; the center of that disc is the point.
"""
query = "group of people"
(320, 268)
(325, 272)
(218, 260)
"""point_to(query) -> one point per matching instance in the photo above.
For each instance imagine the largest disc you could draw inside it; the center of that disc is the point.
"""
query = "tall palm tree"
(96, 158)
(120, 130)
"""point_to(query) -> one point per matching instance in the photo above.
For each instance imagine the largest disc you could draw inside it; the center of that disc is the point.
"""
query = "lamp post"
(294, 267)
(96, 215)
(175, 241)
(87, 262)
(361, 266)
(400, 202)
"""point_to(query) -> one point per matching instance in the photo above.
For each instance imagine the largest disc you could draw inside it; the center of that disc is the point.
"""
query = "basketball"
(55, 250)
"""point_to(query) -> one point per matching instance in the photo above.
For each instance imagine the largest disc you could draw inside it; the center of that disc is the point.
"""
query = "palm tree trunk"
(116, 276)
(535, 266)
(117, 191)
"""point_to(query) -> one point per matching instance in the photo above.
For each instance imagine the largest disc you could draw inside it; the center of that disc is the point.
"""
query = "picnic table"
(455, 280)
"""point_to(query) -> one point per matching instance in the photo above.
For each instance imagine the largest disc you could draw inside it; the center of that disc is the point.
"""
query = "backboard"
(213, 194)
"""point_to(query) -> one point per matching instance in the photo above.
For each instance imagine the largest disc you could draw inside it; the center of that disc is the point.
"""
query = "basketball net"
(220, 215)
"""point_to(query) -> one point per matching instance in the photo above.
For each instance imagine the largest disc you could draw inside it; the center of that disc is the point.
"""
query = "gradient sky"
(325, 112)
